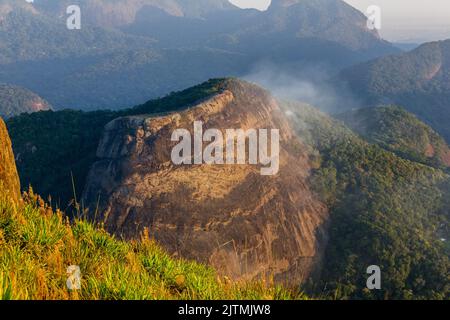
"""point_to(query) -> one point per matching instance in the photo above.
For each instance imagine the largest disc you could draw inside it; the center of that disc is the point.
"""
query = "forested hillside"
(396, 130)
(418, 81)
(385, 211)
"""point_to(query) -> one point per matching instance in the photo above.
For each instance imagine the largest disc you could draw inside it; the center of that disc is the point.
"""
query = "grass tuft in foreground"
(37, 245)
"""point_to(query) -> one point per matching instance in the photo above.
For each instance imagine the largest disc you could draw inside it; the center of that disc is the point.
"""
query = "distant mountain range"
(129, 51)
(418, 80)
(105, 13)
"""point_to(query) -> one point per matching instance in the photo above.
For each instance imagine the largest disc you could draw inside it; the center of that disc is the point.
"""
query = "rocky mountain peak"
(196, 210)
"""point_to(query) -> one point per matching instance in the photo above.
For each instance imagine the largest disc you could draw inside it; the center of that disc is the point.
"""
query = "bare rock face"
(243, 223)
(9, 179)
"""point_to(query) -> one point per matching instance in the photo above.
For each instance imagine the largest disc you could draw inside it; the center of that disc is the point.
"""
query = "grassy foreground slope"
(37, 245)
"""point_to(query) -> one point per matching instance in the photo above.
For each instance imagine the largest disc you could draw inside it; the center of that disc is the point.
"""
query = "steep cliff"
(241, 222)
(9, 179)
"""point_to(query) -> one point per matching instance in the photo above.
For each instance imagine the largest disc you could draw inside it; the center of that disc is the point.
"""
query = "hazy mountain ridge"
(80, 68)
(417, 80)
(106, 13)
(29, 36)
(330, 25)
(15, 100)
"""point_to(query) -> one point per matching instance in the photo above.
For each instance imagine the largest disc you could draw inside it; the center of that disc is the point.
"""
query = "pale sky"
(402, 20)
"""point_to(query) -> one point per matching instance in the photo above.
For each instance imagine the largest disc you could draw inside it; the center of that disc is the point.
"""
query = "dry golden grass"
(37, 245)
